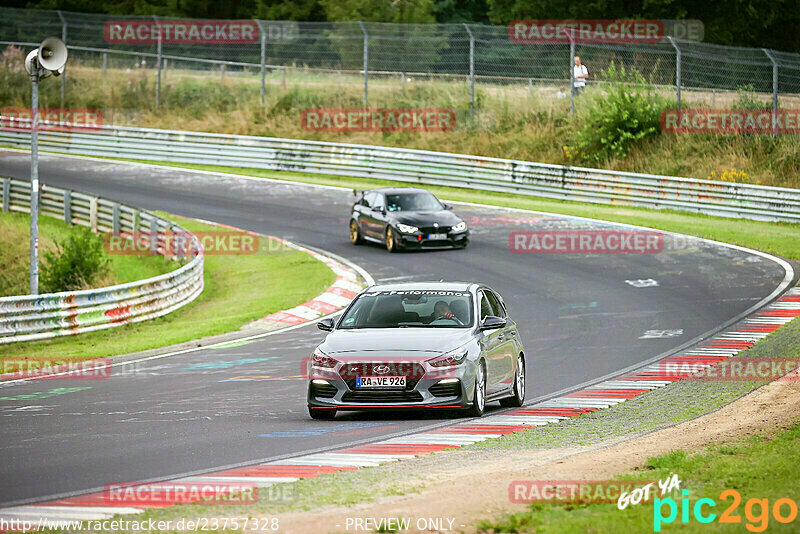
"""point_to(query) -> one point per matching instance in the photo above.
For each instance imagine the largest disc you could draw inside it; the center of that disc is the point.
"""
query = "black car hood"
(425, 218)
(395, 341)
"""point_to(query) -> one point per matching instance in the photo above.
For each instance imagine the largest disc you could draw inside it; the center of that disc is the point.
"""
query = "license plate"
(437, 236)
(380, 381)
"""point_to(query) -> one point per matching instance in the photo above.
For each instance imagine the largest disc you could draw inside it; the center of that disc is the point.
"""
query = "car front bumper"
(452, 388)
(420, 241)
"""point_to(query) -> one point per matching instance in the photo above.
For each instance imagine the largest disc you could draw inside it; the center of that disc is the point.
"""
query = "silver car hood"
(395, 341)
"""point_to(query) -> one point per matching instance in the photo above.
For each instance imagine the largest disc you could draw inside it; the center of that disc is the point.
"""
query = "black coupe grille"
(432, 230)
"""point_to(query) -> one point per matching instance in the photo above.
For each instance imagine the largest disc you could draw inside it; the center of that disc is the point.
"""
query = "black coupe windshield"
(412, 202)
(403, 309)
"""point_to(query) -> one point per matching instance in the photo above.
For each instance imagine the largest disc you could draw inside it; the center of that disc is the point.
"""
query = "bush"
(76, 264)
(746, 99)
(611, 122)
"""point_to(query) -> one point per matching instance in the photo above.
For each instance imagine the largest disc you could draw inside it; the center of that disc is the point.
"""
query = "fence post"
(63, 38)
(571, 72)
(403, 82)
(222, 72)
(263, 58)
(115, 218)
(179, 243)
(158, 63)
(6, 194)
(677, 71)
(153, 236)
(93, 214)
(774, 92)
(283, 77)
(471, 67)
(366, 61)
(105, 62)
(68, 206)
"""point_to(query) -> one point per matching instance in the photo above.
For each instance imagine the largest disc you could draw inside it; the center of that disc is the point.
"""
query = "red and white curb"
(608, 393)
(347, 285)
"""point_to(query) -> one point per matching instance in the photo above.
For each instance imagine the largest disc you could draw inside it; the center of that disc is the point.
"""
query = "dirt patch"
(468, 491)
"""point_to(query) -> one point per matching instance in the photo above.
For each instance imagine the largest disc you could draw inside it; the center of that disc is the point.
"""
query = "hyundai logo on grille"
(382, 369)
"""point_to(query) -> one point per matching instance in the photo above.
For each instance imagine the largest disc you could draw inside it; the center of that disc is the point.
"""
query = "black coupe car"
(405, 218)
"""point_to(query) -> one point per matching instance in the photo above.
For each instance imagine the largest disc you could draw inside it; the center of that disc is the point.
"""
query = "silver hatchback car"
(443, 345)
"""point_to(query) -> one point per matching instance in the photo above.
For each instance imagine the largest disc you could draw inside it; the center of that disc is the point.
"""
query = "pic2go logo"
(756, 511)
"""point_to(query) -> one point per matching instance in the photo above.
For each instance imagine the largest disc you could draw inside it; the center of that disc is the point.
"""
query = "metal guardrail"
(424, 167)
(31, 317)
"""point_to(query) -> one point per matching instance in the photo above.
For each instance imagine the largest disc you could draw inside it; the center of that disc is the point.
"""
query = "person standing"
(579, 75)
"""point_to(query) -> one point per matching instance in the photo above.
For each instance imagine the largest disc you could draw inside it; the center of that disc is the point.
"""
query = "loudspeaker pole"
(49, 58)
(34, 269)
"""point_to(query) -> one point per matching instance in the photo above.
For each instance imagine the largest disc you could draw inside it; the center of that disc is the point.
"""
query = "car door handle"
(501, 335)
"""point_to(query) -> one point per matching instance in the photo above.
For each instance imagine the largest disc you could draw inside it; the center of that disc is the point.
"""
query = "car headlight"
(460, 227)
(450, 359)
(322, 361)
(407, 229)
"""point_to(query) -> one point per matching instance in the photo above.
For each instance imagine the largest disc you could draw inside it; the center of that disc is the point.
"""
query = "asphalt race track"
(581, 317)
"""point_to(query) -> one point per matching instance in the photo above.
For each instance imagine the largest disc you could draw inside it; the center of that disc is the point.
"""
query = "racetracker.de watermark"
(735, 369)
(166, 493)
(730, 121)
(586, 31)
(215, 243)
(378, 120)
(55, 369)
(585, 242)
(189, 31)
(579, 491)
(52, 119)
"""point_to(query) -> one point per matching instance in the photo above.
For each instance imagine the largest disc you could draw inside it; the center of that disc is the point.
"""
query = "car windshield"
(404, 309)
(413, 202)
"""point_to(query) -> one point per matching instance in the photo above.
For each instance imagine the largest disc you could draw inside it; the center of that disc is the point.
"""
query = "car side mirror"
(325, 324)
(448, 206)
(492, 322)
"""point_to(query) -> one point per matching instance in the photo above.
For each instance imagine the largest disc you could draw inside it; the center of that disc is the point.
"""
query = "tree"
(400, 11)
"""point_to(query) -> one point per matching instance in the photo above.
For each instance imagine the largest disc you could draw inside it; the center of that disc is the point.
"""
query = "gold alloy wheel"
(390, 245)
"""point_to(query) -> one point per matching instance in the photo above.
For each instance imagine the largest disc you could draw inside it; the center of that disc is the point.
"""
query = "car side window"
(497, 305)
(486, 307)
(378, 201)
(368, 200)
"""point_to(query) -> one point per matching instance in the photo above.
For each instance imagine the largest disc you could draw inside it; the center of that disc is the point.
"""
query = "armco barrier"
(424, 167)
(30, 317)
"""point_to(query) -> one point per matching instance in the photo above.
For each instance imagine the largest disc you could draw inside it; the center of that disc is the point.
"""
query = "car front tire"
(518, 398)
(391, 240)
(355, 233)
(479, 397)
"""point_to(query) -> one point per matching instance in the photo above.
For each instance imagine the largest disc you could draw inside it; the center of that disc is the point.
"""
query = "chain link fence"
(378, 55)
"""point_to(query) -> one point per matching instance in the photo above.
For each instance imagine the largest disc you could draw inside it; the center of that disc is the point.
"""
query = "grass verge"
(760, 468)
(14, 248)
(238, 289)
